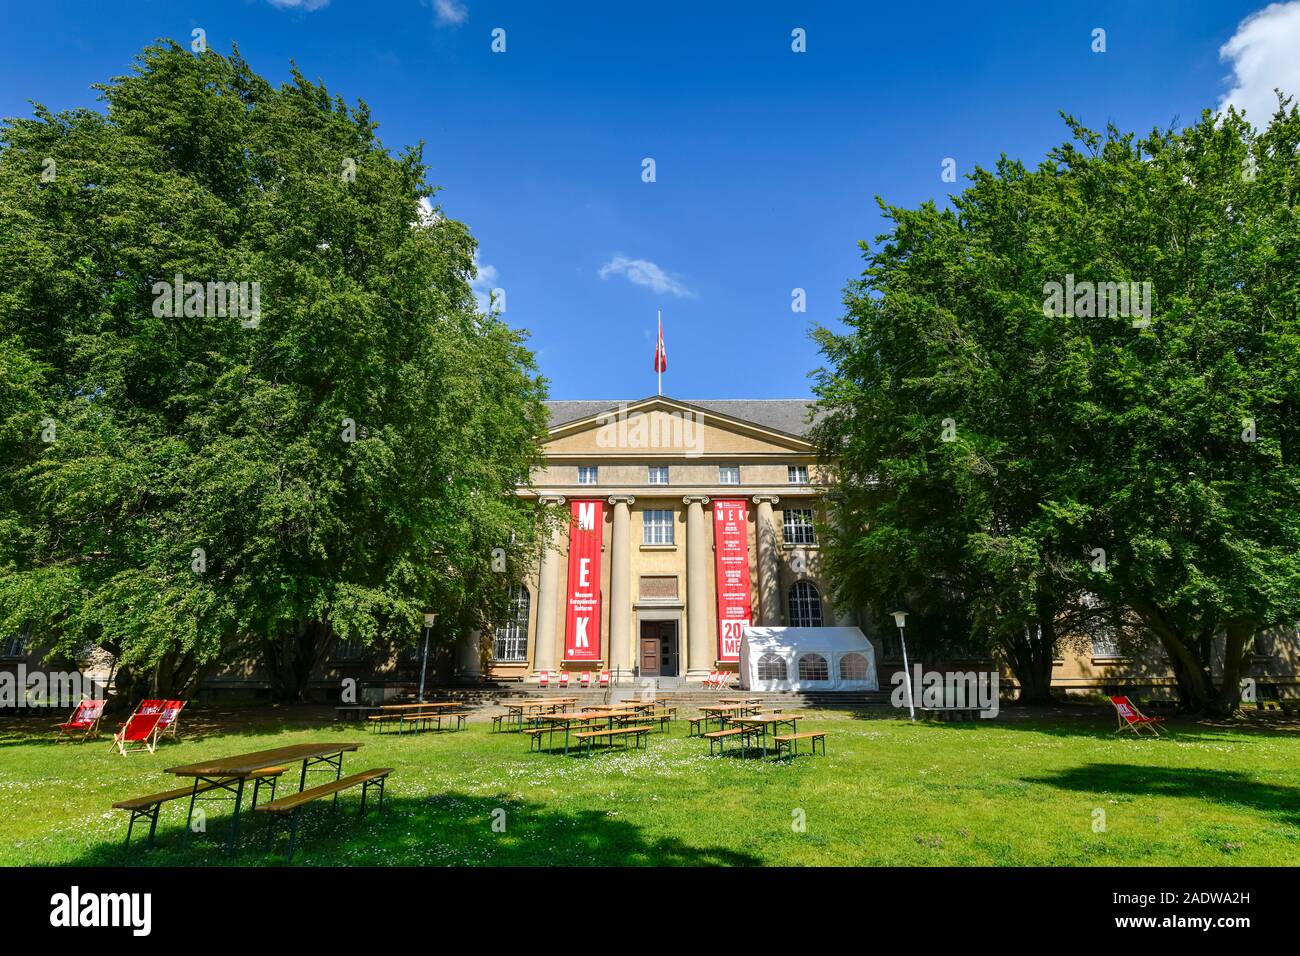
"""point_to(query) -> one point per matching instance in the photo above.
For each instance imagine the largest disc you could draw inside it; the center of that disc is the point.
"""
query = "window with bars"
(771, 667)
(798, 526)
(1106, 645)
(728, 474)
(657, 526)
(511, 640)
(658, 474)
(14, 645)
(347, 651)
(805, 605)
(796, 474)
(587, 474)
(813, 667)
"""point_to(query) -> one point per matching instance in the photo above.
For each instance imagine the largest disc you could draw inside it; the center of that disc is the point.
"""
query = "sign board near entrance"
(731, 555)
(582, 615)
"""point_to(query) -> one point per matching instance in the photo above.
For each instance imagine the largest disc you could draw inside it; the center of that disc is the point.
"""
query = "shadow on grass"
(446, 829)
(1223, 786)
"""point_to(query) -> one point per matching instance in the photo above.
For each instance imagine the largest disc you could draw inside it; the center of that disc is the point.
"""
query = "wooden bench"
(378, 721)
(720, 737)
(952, 714)
(637, 732)
(664, 720)
(534, 735)
(149, 805)
(791, 742)
(293, 804)
(421, 721)
(701, 723)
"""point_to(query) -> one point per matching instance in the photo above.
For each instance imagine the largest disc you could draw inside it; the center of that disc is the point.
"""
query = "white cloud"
(428, 215)
(484, 283)
(644, 272)
(305, 5)
(450, 12)
(1265, 53)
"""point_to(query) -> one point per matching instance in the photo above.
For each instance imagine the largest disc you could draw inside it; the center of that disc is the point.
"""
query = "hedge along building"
(687, 522)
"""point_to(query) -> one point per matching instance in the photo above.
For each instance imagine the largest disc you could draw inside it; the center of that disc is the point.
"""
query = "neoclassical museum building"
(689, 521)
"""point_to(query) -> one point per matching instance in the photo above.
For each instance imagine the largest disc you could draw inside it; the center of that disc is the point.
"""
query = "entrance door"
(659, 651)
(649, 655)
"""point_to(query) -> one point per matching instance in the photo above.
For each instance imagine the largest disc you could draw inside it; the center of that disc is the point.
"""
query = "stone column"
(548, 596)
(620, 589)
(769, 563)
(700, 656)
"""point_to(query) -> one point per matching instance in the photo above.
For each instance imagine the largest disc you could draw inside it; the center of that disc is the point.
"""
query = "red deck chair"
(171, 712)
(544, 679)
(148, 707)
(585, 680)
(138, 733)
(1130, 718)
(564, 680)
(712, 680)
(84, 721)
(604, 680)
(724, 680)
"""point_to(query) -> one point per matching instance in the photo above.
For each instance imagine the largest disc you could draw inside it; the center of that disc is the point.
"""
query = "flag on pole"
(661, 354)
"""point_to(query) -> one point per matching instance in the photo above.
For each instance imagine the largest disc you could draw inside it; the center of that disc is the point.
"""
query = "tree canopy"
(1070, 400)
(321, 450)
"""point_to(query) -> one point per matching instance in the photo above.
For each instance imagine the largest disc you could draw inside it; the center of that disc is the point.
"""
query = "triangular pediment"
(662, 427)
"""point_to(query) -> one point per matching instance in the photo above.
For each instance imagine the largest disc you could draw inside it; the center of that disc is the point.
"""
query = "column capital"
(767, 499)
(622, 499)
(695, 499)
(551, 499)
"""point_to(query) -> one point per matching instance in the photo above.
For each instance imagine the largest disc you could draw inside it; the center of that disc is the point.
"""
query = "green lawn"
(1016, 791)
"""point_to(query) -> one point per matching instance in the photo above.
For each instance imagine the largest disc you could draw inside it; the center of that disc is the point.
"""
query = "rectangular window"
(799, 526)
(797, 474)
(1105, 645)
(586, 474)
(510, 643)
(658, 474)
(15, 645)
(658, 527)
(348, 651)
(729, 475)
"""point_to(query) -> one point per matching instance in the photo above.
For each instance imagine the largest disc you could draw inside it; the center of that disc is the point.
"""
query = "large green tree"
(1055, 468)
(188, 486)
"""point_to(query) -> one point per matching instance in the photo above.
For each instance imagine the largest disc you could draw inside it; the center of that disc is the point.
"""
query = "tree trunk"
(1029, 654)
(293, 657)
(1240, 637)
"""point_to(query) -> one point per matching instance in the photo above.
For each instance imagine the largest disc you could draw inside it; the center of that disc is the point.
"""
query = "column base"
(697, 675)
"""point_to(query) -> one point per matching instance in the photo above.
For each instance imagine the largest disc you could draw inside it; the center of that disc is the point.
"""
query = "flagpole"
(657, 366)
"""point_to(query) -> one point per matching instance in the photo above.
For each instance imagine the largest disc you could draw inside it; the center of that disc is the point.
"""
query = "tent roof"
(763, 639)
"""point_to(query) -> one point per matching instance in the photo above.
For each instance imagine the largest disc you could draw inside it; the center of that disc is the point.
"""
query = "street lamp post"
(900, 618)
(429, 618)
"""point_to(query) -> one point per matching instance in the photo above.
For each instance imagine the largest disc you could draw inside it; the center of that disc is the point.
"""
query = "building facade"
(688, 521)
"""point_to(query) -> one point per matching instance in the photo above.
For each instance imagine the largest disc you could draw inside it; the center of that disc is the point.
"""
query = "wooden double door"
(659, 649)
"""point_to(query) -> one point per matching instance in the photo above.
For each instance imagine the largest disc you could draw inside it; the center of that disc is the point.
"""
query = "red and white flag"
(661, 353)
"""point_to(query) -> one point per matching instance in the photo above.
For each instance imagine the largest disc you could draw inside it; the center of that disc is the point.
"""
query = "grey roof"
(788, 415)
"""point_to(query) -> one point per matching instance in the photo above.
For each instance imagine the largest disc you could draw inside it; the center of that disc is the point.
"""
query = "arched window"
(805, 605)
(813, 667)
(511, 642)
(853, 666)
(771, 667)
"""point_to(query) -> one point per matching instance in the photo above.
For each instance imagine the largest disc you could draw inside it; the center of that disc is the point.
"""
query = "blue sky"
(767, 161)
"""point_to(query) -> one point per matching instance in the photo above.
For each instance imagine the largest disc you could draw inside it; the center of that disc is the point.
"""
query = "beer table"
(519, 708)
(740, 700)
(569, 719)
(229, 774)
(763, 721)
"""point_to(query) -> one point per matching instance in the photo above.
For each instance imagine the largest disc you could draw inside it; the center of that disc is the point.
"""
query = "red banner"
(582, 617)
(731, 557)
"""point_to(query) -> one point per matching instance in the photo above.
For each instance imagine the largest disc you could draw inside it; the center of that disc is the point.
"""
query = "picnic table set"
(226, 778)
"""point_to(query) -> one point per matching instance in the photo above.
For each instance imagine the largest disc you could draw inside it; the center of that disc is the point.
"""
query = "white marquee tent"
(807, 658)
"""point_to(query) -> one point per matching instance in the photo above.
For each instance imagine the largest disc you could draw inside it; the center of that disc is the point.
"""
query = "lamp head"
(429, 618)
(900, 618)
